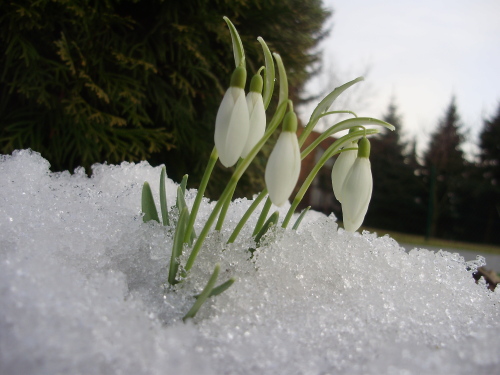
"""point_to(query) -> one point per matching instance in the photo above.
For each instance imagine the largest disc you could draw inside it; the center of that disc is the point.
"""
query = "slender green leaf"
(163, 198)
(181, 204)
(323, 106)
(184, 183)
(177, 246)
(344, 125)
(283, 79)
(262, 217)
(301, 216)
(273, 220)
(269, 73)
(221, 288)
(148, 204)
(238, 50)
(204, 294)
(330, 98)
(181, 201)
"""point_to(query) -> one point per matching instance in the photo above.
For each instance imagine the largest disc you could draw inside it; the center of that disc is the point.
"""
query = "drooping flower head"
(357, 189)
(283, 166)
(342, 166)
(232, 121)
(257, 114)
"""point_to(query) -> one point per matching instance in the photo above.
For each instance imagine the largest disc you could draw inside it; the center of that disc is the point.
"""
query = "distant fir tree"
(110, 80)
(488, 196)
(444, 170)
(394, 204)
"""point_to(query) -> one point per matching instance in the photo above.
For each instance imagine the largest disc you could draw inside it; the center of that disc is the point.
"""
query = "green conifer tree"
(394, 204)
(445, 166)
(487, 202)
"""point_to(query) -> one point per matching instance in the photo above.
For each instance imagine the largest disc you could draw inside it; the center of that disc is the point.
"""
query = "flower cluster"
(241, 124)
(240, 132)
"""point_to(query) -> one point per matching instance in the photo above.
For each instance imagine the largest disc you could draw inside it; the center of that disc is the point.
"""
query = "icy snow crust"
(82, 290)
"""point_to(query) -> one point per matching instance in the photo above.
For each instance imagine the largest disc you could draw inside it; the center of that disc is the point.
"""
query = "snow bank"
(83, 290)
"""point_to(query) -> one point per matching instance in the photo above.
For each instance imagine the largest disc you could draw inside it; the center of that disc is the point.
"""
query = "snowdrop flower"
(232, 121)
(283, 166)
(357, 189)
(257, 114)
(340, 169)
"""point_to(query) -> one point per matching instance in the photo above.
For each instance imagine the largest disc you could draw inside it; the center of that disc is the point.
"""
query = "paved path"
(492, 260)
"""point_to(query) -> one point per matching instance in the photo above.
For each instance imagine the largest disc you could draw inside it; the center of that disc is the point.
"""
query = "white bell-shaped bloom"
(232, 121)
(257, 114)
(357, 189)
(340, 169)
(283, 166)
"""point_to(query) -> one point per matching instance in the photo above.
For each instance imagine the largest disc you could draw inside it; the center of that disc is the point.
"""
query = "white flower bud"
(283, 166)
(257, 126)
(357, 189)
(340, 169)
(232, 121)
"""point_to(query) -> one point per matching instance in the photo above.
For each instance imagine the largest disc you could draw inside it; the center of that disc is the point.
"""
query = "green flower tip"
(239, 77)
(290, 122)
(364, 148)
(256, 84)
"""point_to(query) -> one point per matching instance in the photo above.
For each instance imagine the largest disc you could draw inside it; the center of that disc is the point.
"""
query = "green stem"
(273, 124)
(223, 212)
(332, 150)
(263, 216)
(201, 191)
(246, 216)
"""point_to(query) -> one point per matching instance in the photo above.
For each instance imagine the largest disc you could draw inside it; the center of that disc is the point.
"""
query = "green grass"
(420, 241)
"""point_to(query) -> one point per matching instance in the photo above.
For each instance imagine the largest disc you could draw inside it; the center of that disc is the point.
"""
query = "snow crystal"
(83, 290)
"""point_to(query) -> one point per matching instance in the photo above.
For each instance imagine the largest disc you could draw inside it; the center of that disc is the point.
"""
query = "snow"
(83, 290)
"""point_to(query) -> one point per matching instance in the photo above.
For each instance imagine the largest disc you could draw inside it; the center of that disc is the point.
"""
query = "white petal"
(257, 115)
(231, 126)
(283, 168)
(356, 194)
(340, 169)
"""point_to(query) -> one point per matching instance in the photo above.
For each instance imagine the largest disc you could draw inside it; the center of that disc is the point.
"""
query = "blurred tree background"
(87, 81)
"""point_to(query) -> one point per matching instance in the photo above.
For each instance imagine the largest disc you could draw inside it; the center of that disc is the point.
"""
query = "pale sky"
(419, 52)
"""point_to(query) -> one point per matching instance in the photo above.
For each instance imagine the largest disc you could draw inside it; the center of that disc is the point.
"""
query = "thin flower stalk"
(247, 215)
(263, 214)
(199, 195)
